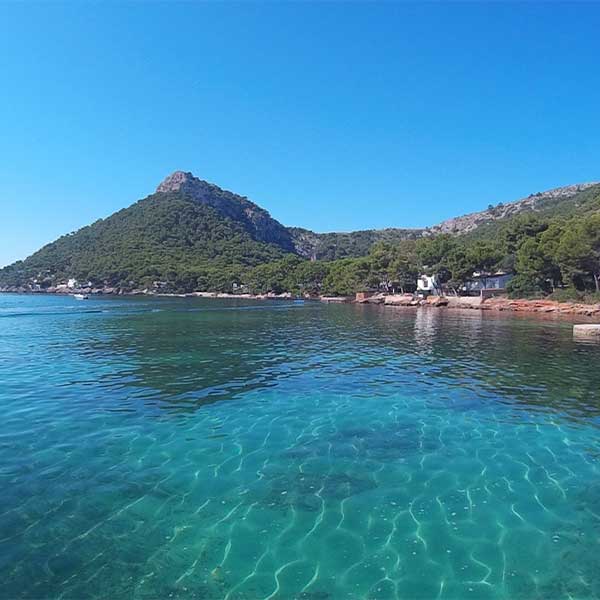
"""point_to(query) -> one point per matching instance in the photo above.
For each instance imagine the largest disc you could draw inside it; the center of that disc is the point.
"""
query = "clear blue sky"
(332, 116)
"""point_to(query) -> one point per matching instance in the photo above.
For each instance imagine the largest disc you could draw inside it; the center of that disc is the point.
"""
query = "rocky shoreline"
(499, 304)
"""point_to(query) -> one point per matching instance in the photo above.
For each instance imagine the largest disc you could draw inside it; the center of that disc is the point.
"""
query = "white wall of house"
(426, 283)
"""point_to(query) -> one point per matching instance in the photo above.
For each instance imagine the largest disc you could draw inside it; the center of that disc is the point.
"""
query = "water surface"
(175, 448)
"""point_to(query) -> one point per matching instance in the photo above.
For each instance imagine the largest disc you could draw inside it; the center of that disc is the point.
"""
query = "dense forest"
(172, 242)
(164, 238)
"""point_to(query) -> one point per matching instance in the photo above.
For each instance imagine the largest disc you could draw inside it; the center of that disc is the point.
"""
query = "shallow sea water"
(177, 448)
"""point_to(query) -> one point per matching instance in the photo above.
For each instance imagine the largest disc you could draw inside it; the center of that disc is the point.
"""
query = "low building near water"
(428, 285)
(487, 284)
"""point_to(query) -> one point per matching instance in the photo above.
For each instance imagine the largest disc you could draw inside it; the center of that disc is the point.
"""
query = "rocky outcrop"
(256, 220)
(401, 300)
(497, 304)
(464, 301)
(306, 242)
(411, 300)
(369, 298)
(437, 301)
(533, 202)
(542, 306)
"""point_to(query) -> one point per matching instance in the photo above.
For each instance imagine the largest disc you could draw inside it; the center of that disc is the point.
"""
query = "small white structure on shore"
(428, 284)
(72, 284)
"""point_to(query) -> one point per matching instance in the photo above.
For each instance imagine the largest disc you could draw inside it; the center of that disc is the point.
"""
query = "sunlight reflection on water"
(156, 448)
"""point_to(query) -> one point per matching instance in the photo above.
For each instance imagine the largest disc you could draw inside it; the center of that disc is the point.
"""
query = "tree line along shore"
(556, 259)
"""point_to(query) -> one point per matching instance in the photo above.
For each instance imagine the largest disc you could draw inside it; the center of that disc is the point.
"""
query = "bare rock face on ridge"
(257, 220)
(533, 202)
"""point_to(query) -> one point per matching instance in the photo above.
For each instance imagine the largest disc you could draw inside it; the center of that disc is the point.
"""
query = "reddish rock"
(544, 306)
(369, 298)
(399, 300)
(437, 301)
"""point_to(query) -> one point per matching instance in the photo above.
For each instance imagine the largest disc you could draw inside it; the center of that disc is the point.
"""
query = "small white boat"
(80, 296)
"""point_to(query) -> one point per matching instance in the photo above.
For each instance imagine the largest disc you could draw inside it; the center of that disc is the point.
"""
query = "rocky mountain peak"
(202, 191)
(255, 219)
(178, 181)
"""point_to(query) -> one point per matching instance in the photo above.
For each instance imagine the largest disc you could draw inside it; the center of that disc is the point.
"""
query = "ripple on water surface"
(201, 449)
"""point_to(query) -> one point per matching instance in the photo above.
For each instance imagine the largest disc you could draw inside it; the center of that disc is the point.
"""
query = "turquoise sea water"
(175, 448)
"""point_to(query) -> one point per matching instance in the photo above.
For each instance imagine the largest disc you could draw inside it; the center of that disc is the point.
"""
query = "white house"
(72, 283)
(428, 284)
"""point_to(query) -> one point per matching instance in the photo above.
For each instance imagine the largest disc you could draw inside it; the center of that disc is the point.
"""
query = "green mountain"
(256, 221)
(193, 235)
(165, 237)
(190, 234)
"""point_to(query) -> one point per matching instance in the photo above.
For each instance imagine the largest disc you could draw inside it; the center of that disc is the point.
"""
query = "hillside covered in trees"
(167, 237)
(193, 236)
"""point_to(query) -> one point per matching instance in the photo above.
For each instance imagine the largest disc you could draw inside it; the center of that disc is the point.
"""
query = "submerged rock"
(587, 331)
